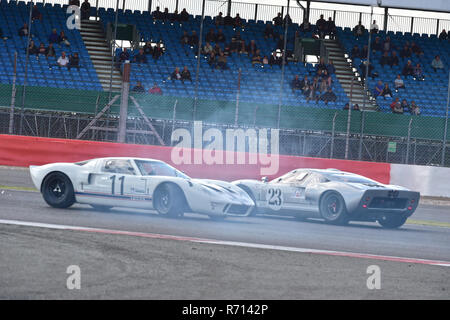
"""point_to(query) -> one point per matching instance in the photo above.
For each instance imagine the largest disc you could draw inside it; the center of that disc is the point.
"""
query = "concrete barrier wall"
(24, 151)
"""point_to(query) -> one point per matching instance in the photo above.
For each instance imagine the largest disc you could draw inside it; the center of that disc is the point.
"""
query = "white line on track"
(228, 243)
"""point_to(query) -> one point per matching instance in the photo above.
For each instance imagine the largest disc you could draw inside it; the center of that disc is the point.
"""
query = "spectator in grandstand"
(184, 38)
(217, 49)
(278, 20)
(355, 53)
(185, 74)
(222, 61)
(418, 72)
(138, 88)
(437, 63)
(124, 55)
(275, 60)
(287, 20)
(74, 61)
(387, 44)
(305, 26)
(399, 83)
(374, 27)
(62, 61)
(74, 3)
(378, 90)
(23, 32)
(310, 93)
(265, 60)
(193, 39)
(234, 45)
(220, 36)
(331, 28)
(210, 36)
(256, 58)
(304, 84)
(157, 14)
(166, 14)
(32, 49)
(157, 51)
(237, 21)
(327, 77)
(416, 49)
(280, 42)
(443, 35)
(243, 48)
(346, 107)
(207, 48)
(155, 89)
(364, 52)
(50, 51)
(414, 109)
(140, 57)
(148, 49)
(228, 20)
(184, 15)
(53, 37)
(321, 26)
(393, 59)
(219, 19)
(175, 17)
(396, 106)
(356, 107)
(62, 38)
(406, 52)
(384, 60)
(405, 105)
(41, 49)
(328, 96)
(85, 10)
(315, 83)
(377, 45)
(296, 84)
(367, 67)
(331, 69)
(269, 32)
(408, 69)
(251, 47)
(212, 60)
(386, 91)
(36, 14)
(176, 74)
(321, 65)
(359, 30)
(323, 87)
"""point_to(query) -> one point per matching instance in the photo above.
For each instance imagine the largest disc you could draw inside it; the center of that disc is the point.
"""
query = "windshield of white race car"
(156, 168)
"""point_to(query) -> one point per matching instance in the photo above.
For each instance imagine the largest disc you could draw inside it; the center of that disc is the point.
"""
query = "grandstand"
(245, 94)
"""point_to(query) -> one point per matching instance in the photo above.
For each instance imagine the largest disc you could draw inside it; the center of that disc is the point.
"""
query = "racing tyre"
(168, 200)
(57, 190)
(392, 222)
(332, 208)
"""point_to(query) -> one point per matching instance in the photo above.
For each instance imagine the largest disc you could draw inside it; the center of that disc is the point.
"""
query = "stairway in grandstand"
(100, 53)
(345, 73)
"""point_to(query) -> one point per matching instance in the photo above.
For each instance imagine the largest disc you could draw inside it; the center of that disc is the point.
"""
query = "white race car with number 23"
(333, 195)
(137, 183)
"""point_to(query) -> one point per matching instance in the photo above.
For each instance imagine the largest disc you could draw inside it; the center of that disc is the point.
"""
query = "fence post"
(332, 135)
(408, 141)
(283, 66)
(361, 135)
(366, 76)
(199, 51)
(13, 96)
(236, 113)
(121, 137)
(349, 118)
(256, 11)
(444, 142)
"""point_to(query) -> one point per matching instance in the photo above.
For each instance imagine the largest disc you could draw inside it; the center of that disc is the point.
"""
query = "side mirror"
(265, 179)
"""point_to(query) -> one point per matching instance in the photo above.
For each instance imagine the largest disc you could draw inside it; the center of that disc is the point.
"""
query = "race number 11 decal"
(274, 198)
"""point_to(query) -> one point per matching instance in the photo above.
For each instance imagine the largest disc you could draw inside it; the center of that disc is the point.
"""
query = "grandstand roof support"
(229, 8)
(386, 17)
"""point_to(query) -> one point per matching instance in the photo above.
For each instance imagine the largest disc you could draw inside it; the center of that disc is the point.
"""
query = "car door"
(110, 184)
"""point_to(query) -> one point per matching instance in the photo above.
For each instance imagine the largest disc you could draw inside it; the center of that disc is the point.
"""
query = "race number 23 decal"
(274, 198)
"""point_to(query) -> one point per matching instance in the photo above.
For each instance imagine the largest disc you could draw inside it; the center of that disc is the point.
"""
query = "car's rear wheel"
(332, 208)
(169, 200)
(392, 222)
(57, 190)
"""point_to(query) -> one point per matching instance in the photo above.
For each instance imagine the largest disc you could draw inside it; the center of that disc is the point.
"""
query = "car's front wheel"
(57, 190)
(332, 208)
(168, 200)
(392, 222)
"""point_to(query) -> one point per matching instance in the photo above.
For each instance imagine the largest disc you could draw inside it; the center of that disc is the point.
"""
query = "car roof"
(129, 158)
